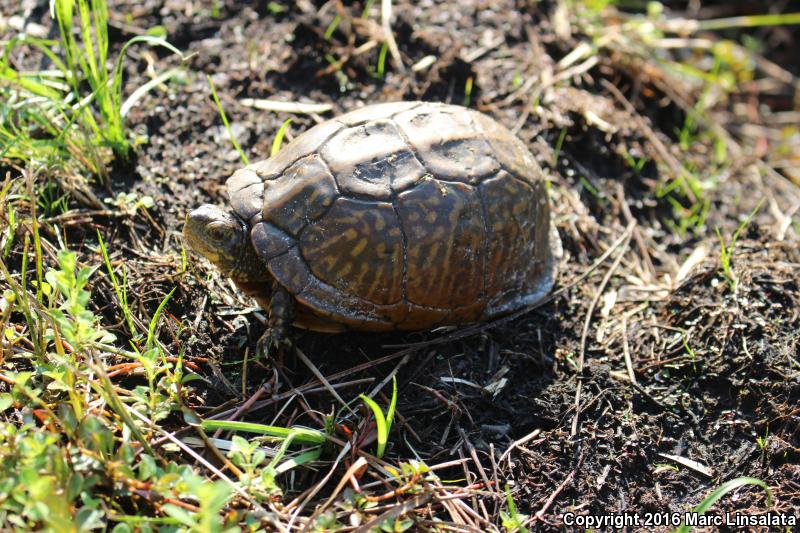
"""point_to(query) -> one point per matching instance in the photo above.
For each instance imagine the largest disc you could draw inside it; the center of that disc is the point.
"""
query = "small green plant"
(336, 65)
(247, 456)
(727, 249)
(159, 397)
(689, 350)
(383, 422)
(275, 8)
(130, 202)
(688, 218)
(512, 519)
(42, 484)
(52, 200)
(762, 441)
(120, 289)
(77, 323)
(396, 525)
(591, 189)
(636, 164)
(211, 497)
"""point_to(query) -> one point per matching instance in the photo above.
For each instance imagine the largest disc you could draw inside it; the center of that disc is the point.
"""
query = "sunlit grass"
(224, 118)
(71, 115)
(278, 141)
(711, 70)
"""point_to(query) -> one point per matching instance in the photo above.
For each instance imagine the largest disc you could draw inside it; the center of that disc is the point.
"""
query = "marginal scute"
(466, 314)
(329, 301)
(269, 241)
(423, 317)
(308, 318)
(519, 225)
(375, 112)
(300, 195)
(367, 159)
(244, 177)
(290, 270)
(510, 152)
(357, 247)
(245, 192)
(396, 314)
(447, 142)
(446, 242)
(302, 145)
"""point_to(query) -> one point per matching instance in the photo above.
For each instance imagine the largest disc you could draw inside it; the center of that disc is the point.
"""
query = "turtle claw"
(272, 338)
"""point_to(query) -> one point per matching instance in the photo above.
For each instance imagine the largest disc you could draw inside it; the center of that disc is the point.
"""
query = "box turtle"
(397, 216)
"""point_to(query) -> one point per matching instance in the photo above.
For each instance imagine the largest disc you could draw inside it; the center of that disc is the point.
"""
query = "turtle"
(396, 216)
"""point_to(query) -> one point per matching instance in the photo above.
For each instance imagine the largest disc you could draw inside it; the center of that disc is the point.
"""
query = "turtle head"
(222, 238)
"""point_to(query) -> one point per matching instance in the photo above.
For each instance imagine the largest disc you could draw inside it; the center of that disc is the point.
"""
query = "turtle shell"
(404, 215)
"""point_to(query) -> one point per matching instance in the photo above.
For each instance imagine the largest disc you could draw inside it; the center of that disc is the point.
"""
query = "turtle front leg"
(281, 313)
(281, 316)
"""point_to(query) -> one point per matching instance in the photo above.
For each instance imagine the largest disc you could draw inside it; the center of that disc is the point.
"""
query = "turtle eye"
(219, 233)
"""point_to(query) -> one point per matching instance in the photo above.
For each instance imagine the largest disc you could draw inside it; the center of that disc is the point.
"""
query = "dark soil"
(717, 371)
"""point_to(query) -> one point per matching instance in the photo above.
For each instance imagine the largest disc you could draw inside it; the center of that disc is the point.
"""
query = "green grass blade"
(721, 491)
(144, 89)
(367, 7)
(225, 121)
(151, 329)
(750, 21)
(746, 222)
(380, 422)
(299, 460)
(276, 144)
(29, 84)
(94, 69)
(301, 435)
(332, 27)
(100, 20)
(150, 40)
(44, 46)
(119, 291)
(392, 406)
(381, 68)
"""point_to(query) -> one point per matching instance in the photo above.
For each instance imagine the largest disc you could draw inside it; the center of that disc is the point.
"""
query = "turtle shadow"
(488, 386)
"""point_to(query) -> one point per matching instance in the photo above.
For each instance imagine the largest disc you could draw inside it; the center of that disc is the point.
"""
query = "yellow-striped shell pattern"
(406, 215)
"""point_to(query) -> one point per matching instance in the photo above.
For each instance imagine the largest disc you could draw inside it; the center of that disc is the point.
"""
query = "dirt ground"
(543, 403)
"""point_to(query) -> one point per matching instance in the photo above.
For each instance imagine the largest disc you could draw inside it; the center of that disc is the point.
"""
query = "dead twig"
(626, 350)
(395, 512)
(314, 370)
(588, 320)
(567, 480)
